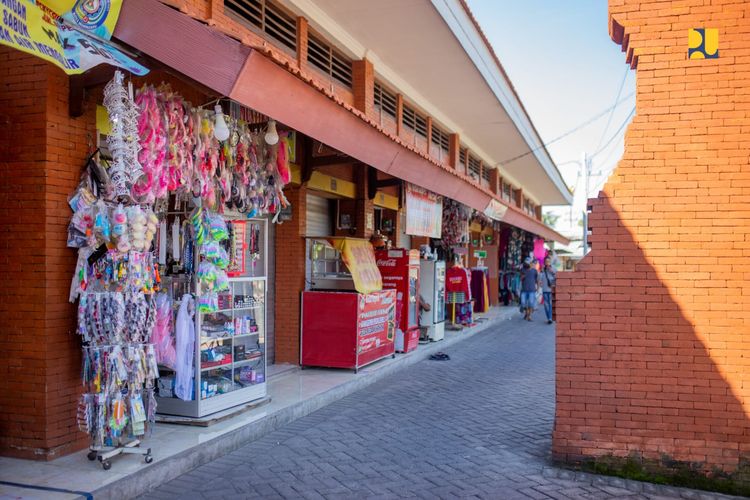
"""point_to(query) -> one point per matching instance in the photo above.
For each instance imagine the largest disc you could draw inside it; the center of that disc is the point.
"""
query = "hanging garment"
(185, 340)
(164, 342)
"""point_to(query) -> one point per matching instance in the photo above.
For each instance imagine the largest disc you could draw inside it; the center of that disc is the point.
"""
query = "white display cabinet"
(230, 349)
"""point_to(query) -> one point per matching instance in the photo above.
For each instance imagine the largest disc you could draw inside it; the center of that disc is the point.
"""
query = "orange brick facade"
(42, 151)
(653, 356)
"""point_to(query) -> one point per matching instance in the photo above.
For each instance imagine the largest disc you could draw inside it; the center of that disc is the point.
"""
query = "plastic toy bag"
(102, 229)
(218, 227)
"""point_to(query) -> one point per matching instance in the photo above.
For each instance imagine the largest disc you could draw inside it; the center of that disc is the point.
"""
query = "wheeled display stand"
(105, 453)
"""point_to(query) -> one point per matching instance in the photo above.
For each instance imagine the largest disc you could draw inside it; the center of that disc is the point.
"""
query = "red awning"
(254, 80)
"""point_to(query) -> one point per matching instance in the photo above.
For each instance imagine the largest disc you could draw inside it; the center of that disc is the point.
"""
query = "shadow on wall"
(634, 378)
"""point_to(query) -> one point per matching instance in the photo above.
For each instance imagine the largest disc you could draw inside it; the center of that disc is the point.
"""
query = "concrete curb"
(169, 468)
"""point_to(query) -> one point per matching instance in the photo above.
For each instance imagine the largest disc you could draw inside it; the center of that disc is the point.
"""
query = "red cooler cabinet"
(400, 270)
(347, 329)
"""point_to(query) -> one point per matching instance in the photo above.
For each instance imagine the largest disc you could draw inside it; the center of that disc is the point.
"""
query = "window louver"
(440, 139)
(265, 17)
(475, 167)
(486, 174)
(385, 101)
(462, 157)
(414, 121)
(329, 61)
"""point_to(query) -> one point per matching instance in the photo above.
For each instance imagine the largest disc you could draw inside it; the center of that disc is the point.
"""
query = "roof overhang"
(434, 52)
(254, 80)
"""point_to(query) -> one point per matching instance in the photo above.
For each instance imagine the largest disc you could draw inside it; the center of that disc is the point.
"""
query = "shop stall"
(348, 320)
(170, 222)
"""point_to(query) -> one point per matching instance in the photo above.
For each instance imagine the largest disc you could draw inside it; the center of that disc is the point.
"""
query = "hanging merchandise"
(206, 155)
(122, 140)
(455, 230)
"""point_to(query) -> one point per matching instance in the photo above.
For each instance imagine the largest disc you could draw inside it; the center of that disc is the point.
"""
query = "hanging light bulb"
(271, 137)
(221, 131)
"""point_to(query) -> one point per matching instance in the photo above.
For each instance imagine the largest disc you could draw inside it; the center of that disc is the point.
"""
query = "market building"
(652, 353)
(349, 125)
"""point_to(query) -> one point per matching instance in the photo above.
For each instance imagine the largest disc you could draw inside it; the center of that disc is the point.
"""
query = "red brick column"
(41, 156)
(652, 351)
(290, 277)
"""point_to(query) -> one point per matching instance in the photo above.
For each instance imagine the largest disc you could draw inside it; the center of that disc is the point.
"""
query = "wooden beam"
(321, 161)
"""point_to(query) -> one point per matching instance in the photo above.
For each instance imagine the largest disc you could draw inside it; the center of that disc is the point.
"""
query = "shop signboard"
(495, 210)
(424, 212)
(480, 254)
(359, 258)
(376, 320)
(70, 34)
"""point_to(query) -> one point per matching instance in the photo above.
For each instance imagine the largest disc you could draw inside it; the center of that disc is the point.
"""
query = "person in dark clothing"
(529, 285)
(547, 277)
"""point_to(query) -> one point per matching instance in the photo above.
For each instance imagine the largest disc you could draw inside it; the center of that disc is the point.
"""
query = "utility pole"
(586, 166)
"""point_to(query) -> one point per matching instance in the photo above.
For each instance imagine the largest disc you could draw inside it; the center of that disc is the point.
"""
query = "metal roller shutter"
(318, 216)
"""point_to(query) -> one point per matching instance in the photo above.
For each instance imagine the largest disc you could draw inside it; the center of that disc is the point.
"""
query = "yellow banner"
(98, 17)
(34, 27)
(359, 257)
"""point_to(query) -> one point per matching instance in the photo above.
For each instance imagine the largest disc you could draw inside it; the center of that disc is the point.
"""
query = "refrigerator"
(400, 270)
(432, 286)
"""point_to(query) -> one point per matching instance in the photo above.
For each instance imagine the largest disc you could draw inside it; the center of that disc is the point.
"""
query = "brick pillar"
(363, 86)
(43, 152)
(290, 277)
(365, 210)
(518, 197)
(495, 185)
(454, 148)
(302, 29)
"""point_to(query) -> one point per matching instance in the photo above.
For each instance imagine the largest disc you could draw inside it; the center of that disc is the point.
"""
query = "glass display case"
(326, 269)
(230, 343)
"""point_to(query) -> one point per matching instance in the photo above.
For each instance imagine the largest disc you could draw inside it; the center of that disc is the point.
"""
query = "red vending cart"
(347, 329)
(400, 270)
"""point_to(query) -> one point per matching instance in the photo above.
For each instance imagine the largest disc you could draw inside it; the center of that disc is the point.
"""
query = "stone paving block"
(477, 426)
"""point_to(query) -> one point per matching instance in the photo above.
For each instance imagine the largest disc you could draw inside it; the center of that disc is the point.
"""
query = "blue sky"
(566, 70)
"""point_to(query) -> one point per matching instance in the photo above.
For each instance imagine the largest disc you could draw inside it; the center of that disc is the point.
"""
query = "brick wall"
(290, 276)
(652, 349)
(42, 151)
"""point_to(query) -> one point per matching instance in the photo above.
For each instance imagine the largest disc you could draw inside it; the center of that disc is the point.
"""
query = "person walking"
(547, 277)
(529, 286)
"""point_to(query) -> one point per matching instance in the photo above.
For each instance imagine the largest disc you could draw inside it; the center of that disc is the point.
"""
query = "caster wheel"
(148, 459)
(91, 455)
(106, 465)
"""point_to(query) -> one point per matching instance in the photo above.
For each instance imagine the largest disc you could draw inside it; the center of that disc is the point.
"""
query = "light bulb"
(271, 137)
(221, 131)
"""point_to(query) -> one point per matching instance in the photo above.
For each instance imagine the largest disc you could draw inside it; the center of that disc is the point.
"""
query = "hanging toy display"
(123, 139)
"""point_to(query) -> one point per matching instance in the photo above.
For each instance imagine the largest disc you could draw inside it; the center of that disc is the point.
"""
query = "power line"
(614, 136)
(612, 112)
(566, 134)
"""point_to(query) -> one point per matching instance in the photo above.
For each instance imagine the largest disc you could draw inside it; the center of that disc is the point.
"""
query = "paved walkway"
(476, 426)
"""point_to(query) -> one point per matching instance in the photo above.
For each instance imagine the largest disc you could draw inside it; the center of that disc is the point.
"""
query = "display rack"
(230, 346)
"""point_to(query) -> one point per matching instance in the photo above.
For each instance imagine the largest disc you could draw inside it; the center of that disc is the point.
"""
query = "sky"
(566, 70)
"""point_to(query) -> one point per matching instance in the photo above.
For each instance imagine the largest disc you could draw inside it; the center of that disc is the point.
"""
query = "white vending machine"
(432, 287)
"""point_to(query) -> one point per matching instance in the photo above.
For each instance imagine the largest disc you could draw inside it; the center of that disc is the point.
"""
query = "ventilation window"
(415, 122)
(475, 167)
(486, 174)
(329, 61)
(264, 17)
(507, 189)
(440, 139)
(385, 102)
(462, 157)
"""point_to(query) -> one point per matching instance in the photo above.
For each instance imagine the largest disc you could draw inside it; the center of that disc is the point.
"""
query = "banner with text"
(424, 212)
(359, 258)
(37, 28)
(376, 320)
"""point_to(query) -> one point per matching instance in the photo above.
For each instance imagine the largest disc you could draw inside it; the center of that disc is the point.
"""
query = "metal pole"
(585, 167)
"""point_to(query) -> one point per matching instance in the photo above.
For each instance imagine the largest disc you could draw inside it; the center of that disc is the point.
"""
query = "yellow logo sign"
(703, 43)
